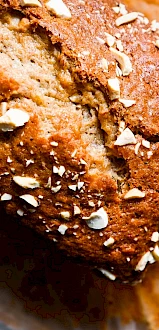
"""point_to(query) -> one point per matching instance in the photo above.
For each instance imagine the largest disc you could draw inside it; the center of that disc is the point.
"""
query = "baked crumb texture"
(79, 129)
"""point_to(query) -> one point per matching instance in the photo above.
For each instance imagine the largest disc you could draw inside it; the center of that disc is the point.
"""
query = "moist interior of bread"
(48, 88)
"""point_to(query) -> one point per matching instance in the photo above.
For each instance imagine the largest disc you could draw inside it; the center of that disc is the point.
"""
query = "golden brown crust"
(132, 222)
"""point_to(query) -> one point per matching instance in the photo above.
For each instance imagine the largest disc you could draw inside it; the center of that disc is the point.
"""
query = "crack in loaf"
(79, 117)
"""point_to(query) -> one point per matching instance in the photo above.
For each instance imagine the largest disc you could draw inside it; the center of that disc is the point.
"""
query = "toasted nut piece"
(60, 171)
(126, 137)
(6, 197)
(124, 61)
(13, 118)
(26, 182)
(65, 215)
(155, 252)
(147, 257)
(76, 210)
(62, 229)
(30, 199)
(127, 103)
(109, 241)
(127, 18)
(97, 220)
(134, 193)
(104, 64)
(113, 88)
(108, 274)
(31, 3)
(110, 40)
(119, 45)
(155, 236)
(146, 144)
(58, 8)
(136, 150)
(157, 43)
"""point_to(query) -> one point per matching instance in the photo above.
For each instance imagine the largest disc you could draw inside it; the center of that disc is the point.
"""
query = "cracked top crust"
(83, 169)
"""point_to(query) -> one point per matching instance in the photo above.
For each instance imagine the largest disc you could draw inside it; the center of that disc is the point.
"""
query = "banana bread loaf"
(79, 129)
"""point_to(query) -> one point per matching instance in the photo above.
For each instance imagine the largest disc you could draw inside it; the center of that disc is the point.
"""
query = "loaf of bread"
(79, 129)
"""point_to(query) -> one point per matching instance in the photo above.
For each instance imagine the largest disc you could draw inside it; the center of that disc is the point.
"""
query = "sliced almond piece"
(6, 197)
(60, 171)
(113, 88)
(108, 274)
(109, 241)
(155, 252)
(110, 40)
(76, 210)
(103, 64)
(59, 8)
(146, 144)
(127, 18)
(31, 3)
(65, 215)
(97, 220)
(13, 118)
(123, 60)
(62, 229)
(26, 182)
(126, 137)
(147, 257)
(134, 193)
(157, 43)
(127, 103)
(30, 199)
(155, 236)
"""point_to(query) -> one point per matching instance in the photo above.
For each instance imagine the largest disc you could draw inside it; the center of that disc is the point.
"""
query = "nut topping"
(58, 8)
(113, 88)
(108, 274)
(26, 182)
(127, 18)
(62, 229)
(126, 137)
(123, 60)
(127, 103)
(134, 193)
(30, 199)
(97, 220)
(147, 257)
(13, 118)
(31, 3)
(109, 241)
(6, 197)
